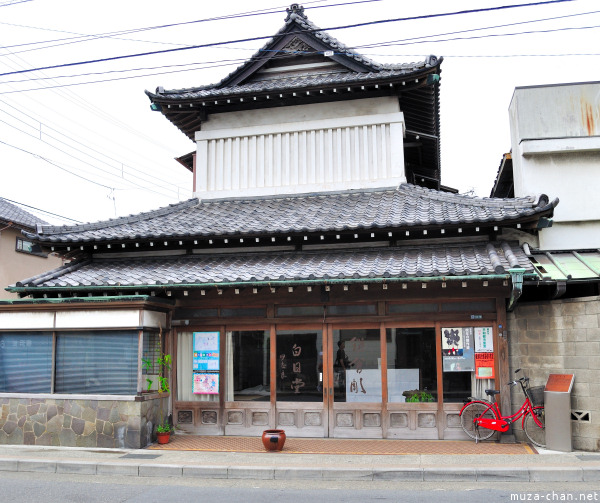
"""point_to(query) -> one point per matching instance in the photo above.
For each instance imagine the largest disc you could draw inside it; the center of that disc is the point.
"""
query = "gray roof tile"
(12, 213)
(406, 206)
(247, 268)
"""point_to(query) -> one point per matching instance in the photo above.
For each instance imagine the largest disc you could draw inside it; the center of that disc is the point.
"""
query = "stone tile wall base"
(79, 423)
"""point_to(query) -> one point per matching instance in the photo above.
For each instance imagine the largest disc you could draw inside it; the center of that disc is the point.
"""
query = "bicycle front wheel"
(536, 433)
(467, 420)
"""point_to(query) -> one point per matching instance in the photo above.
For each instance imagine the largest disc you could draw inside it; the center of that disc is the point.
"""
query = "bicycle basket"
(536, 394)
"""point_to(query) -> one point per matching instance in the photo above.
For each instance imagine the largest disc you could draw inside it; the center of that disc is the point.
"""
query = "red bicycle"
(480, 418)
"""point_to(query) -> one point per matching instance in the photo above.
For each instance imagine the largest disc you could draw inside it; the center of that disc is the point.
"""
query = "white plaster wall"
(23, 320)
(272, 155)
(555, 136)
(98, 319)
(570, 236)
(301, 113)
(154, 319)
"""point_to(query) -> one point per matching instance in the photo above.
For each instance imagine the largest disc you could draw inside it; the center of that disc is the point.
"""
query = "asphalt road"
(35, 487)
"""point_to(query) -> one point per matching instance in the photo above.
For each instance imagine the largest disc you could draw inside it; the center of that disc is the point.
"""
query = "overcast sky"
(80, 141)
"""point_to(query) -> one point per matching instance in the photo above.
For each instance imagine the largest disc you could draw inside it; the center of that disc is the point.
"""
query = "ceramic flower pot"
(273, 440)
(163, 438)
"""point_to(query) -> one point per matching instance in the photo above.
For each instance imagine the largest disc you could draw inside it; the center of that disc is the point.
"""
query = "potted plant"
(421, 396)
(163, 433)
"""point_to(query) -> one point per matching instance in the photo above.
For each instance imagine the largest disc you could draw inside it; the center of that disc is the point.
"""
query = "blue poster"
(206, 351)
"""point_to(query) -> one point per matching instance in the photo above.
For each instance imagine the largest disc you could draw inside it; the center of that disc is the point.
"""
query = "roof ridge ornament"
(295, 9)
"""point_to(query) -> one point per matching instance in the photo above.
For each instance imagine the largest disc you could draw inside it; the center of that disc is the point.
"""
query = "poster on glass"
(458, 350)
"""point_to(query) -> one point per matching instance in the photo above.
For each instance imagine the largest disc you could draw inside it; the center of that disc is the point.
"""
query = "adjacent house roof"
(405, 207)
(318, 266)
(11, 213)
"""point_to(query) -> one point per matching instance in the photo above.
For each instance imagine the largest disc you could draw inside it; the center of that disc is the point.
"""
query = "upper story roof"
(11, 213)
(303, 64)
(403, 210)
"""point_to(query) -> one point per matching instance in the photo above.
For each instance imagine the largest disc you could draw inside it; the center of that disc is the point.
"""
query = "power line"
(115, 35)
(248, 39)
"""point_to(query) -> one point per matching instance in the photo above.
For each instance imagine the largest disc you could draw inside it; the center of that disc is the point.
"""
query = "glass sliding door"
(357, 365)
(299, 365)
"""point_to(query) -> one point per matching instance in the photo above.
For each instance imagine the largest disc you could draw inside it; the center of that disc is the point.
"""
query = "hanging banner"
(484, 341)
(458, 349)
(206, 351)
(484, 366)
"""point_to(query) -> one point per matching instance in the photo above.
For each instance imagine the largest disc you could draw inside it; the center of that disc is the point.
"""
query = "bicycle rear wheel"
(535, 433)
(471, 412)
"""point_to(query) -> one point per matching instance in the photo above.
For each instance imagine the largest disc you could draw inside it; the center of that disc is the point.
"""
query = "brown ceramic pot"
(273, 440)
(163, 438)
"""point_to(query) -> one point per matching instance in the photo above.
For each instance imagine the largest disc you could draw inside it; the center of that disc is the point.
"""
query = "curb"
(418, 474)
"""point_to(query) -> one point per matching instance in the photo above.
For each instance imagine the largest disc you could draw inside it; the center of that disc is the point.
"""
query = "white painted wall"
(81, 319)
(555, 136)
(305, 148)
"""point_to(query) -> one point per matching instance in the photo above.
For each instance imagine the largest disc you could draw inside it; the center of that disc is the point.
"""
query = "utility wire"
(248, 39)
(115, 35)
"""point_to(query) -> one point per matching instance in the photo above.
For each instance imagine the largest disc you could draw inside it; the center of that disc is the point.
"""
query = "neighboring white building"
(555, 137)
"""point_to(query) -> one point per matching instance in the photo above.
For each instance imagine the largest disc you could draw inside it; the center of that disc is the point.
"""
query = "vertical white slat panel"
(228, 161)
(251, 162)
(384, 151)
(374, 153)
(220, 165)
(347, 134)
(294, 159)
(312, 158)
(277, 160)
(356, 157)
(302, 158)
(366, 164)
(236, 171)
(285, 161)
(269, 152)
(329, 154)
(339, 163)
(321, 174)
(259, 161)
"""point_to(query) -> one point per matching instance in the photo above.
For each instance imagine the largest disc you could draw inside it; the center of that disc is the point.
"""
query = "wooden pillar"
(501, 354)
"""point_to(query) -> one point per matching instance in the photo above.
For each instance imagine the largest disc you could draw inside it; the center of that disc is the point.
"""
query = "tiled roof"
(297, 22)
(21, 218)
(287, 83)
(294, 266)
(406, 206)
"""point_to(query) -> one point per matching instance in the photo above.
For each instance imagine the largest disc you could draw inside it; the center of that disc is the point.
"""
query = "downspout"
(516, 275)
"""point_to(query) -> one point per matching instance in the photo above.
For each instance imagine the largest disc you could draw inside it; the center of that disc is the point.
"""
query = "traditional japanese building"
(322, 280)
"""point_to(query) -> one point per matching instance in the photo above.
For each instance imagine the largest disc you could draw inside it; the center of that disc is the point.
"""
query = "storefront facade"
(319, 365)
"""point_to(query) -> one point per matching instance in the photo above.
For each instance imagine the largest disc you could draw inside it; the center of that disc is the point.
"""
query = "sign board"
(458, 349)
(484, 366)
(560, 383)
(206, 383)
(484, 341)
(206, 351)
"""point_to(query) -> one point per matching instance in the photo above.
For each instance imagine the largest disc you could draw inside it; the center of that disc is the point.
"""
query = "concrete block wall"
(79, 423)
(561, 337)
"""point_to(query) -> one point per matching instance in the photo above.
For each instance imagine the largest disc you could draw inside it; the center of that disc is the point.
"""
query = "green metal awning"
(567, 265)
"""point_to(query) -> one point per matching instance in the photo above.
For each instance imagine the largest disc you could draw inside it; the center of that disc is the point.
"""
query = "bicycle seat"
(492, 392)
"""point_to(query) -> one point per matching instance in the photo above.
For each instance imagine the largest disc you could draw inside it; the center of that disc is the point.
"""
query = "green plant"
(150, 382)
(163, 428)
(420, 397)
